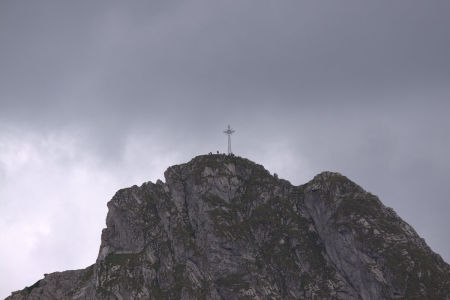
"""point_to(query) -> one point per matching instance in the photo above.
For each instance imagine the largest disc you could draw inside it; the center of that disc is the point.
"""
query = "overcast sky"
(100, 95)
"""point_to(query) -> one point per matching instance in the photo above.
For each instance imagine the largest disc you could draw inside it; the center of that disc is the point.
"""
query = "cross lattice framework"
(229, 132)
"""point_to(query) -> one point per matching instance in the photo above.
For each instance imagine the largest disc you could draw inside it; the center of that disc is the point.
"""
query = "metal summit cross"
(229, 132)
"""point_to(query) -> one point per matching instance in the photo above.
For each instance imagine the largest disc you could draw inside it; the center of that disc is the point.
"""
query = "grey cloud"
(359, 88)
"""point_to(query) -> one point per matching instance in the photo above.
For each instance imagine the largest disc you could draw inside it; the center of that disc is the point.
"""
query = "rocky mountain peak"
(223, 227)
(220, 165)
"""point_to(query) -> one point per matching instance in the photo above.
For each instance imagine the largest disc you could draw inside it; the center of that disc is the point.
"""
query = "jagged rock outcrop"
(222, 227)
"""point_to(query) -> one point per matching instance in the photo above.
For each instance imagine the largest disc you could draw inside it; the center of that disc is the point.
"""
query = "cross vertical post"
(229, 132)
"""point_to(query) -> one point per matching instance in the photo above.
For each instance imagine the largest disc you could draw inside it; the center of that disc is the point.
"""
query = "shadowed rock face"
(223, 228)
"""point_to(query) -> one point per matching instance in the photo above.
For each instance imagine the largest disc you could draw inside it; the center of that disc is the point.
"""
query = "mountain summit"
(222, 227)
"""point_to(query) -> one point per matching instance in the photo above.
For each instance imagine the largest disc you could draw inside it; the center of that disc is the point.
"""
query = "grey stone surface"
(223, 227)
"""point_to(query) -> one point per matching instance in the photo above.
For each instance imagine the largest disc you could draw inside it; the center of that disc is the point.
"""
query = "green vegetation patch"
(87, 274)
(186, 235)
(370, 209)
(113, 278)
(35, 285)
(214, 200)
(368, 206)
(338, 179)
(128, 259)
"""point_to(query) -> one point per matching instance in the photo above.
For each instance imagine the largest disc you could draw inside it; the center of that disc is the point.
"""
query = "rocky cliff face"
(223, 227)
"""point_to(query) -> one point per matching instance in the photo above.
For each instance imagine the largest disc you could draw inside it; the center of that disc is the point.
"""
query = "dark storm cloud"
(356, 87)
(105, 60)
